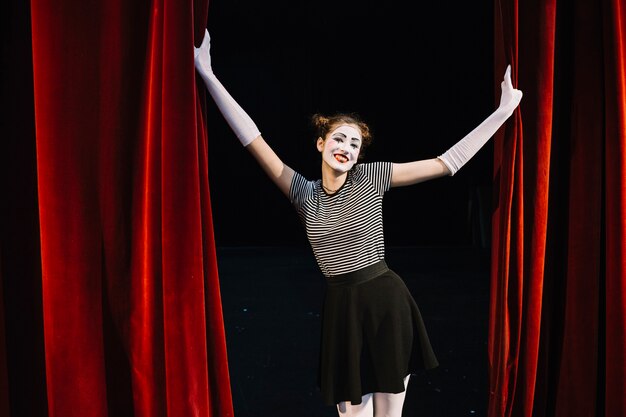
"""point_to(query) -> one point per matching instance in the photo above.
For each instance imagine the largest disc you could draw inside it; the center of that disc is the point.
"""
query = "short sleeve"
(379, 174)
(300, 190)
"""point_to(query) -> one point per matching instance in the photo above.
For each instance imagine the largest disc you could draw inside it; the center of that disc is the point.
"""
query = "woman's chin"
(340, 166)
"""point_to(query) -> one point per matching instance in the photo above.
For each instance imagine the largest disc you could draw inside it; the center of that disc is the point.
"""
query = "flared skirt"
(373, 335)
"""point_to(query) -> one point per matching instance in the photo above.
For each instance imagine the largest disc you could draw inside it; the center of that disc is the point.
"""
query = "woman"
(373, 336)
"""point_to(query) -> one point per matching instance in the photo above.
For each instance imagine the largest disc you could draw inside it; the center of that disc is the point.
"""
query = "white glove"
(237, 118)
(455, 157)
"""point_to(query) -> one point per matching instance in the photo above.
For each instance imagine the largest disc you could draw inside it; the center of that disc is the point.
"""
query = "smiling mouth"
(341, 158)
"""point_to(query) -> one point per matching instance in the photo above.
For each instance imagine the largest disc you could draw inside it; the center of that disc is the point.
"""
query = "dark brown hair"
(325, 124)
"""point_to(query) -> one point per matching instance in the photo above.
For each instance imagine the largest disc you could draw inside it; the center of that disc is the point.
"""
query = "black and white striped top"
(345, 229)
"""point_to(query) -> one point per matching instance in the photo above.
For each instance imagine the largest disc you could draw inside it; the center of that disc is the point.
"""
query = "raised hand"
(462, 151)
(511, 96)
(202, 55)
(239, 121)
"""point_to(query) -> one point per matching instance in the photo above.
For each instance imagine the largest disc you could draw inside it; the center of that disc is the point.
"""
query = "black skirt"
(373, 335)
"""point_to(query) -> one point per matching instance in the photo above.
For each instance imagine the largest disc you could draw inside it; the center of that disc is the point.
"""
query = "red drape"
(132, 315)
(557, 318)
(614, 23)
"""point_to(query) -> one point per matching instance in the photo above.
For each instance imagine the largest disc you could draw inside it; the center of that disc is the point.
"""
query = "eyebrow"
(344, 136)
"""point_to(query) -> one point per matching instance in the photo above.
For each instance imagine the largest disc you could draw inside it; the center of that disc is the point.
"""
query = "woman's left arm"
(409, 173)
(461, 152)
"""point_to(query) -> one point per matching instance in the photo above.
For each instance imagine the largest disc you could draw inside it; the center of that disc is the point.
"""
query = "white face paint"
(341, 148)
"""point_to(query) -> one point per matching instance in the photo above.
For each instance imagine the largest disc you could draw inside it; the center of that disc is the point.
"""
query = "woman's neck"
(332, 180)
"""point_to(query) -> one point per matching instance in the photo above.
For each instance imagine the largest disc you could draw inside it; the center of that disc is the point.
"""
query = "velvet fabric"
(131, 319)
(557, 329)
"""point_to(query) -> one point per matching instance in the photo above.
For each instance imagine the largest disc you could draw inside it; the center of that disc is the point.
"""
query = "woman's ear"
(320, 144)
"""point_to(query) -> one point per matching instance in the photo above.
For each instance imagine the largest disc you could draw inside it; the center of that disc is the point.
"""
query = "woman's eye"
(338, 139)
(355, 146)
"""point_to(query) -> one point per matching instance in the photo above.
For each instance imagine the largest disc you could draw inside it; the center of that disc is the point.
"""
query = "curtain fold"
(131, 303)
(521, 162)
(557, 316)
(582, 316)
(614, 386)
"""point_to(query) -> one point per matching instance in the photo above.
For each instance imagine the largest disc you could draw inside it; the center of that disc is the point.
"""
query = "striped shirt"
(345, 229)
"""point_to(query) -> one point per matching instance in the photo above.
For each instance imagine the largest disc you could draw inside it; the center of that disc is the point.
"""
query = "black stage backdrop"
(421, 75)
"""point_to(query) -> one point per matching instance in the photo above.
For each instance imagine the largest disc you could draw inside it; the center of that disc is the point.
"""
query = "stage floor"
(271, 298)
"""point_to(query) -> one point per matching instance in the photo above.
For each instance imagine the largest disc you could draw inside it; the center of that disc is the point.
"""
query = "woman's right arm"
(280, 173)
(239, 121)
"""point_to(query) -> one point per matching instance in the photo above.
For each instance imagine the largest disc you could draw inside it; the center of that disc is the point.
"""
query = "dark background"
(421, 75)
(422, 80)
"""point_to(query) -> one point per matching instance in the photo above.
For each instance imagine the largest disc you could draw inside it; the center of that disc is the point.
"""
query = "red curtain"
(132, 319)
(557, 317)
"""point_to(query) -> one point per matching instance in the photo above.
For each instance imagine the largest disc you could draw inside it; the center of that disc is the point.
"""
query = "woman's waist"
(358, 276)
